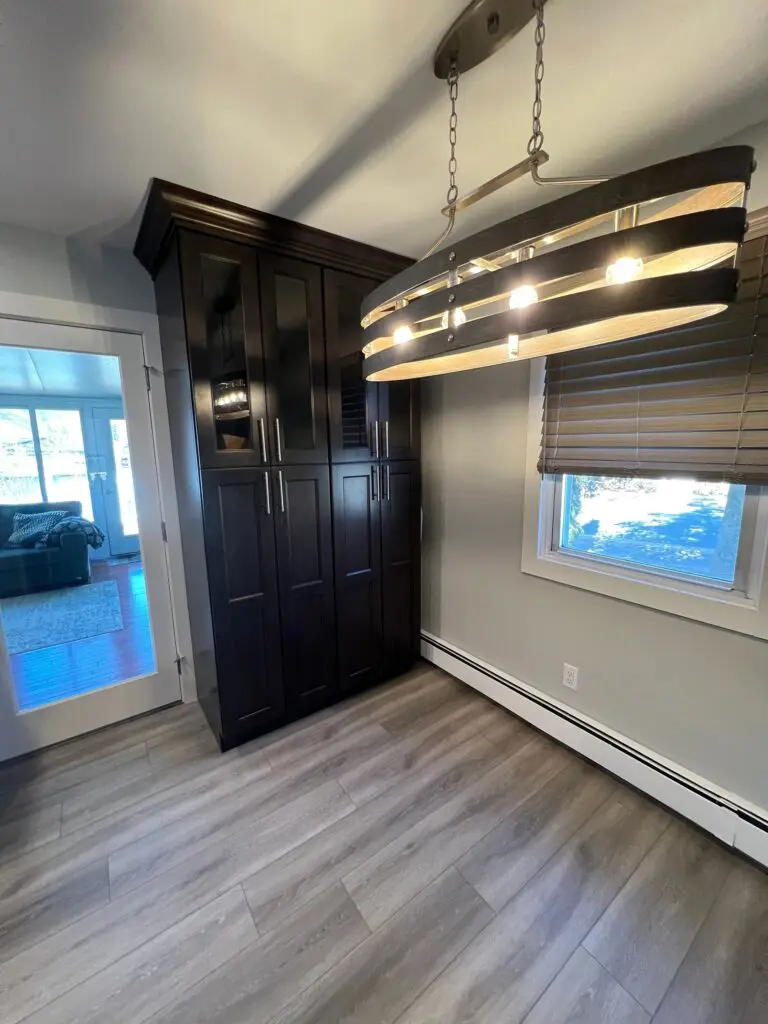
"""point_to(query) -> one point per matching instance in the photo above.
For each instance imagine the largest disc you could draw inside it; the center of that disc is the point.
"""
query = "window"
(691, 548)
(676, 527)
(63, 454)
(19, 481)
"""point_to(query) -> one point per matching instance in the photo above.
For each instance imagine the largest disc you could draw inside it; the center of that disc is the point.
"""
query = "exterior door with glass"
(83, 642)
(115, 478)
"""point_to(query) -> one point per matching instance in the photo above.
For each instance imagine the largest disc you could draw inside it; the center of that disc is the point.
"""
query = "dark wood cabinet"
(294, 353)
(297, 481)
(302, 510)
(243, 584)
(221, 300)
(357, 543)
(368, 421)
(376, 512)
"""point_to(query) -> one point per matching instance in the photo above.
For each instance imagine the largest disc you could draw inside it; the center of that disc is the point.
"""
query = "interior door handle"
(278, 439)
(282, 490)
(266, 493)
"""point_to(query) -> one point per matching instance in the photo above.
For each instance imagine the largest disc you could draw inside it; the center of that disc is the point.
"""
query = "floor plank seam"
(613, 977)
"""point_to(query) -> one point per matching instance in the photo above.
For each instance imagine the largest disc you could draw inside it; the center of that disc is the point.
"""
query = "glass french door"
(84, 641)
(116, 479)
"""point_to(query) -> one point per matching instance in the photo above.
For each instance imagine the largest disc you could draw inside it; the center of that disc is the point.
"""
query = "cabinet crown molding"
(170, 207)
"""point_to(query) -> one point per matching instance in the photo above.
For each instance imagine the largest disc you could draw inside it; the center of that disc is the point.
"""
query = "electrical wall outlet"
(570, 676)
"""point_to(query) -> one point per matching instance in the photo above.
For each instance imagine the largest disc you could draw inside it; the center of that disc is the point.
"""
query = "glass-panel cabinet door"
(352, 401)
(221, 291)
(294, 351)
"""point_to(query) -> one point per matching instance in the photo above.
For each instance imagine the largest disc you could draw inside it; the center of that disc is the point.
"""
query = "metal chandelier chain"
(536, 141)
(453, 92)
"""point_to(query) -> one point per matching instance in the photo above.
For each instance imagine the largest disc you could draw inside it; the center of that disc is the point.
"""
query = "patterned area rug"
(53, 617)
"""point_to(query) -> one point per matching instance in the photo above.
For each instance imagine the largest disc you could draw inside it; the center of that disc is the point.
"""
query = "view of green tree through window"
(671, 525)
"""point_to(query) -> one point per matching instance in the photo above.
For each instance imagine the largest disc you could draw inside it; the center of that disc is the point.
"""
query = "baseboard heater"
(726, 816)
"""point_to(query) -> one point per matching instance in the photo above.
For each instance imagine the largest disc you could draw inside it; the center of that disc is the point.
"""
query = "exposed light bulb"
(513, 346)
(402, 334)
(626, 268)
(455, 318)
(523, 296)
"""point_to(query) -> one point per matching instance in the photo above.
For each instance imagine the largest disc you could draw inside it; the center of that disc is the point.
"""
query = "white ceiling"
(329, 113)
(38, 373)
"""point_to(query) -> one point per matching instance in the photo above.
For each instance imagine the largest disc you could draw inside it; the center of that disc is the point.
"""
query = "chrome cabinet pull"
(279, 440)
(266, 493)
(389, 484)
(386, 437)
(375, 483)
(376, 440)
(262, 439)
(282, 491)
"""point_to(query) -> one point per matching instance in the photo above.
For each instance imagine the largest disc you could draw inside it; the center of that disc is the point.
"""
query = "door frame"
(145, 327)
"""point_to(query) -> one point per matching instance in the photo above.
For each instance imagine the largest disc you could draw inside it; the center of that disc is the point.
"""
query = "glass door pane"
(63, 454)
(294, 365)
(19, 479)
(126, 499)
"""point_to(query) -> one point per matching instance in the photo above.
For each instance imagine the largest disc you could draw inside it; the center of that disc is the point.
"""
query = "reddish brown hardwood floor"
(66, 670)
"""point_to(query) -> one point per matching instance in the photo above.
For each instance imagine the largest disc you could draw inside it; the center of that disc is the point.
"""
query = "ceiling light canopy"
(627, 256)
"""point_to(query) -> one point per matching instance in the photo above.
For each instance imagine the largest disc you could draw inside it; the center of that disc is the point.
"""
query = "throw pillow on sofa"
(28, 528)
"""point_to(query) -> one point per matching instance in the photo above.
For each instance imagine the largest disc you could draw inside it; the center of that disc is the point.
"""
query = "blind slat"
(691, 401)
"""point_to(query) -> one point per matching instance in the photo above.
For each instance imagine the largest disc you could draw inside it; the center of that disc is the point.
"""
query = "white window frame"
(742, 608)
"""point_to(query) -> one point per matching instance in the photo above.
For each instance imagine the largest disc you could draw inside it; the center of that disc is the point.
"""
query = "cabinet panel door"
(352, 402)
(294, 351)
(221, 305)
(400, 420)
(242, 578)
(401, 563)
(357, 548)
(302, 507)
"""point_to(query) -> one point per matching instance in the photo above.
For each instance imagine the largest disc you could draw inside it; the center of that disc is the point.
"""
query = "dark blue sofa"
(26, 570)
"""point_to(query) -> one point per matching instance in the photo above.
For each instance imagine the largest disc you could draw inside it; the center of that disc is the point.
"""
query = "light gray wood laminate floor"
(414, 856)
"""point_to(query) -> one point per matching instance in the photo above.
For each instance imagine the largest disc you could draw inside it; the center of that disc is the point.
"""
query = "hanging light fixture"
(627, 256)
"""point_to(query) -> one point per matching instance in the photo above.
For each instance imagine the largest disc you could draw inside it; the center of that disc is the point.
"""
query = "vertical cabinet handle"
(386, 438)
(282, 490)
(266, 493)
(388, 496)
(375, 483)
(278, 439)
(262, 439)
(376, 439)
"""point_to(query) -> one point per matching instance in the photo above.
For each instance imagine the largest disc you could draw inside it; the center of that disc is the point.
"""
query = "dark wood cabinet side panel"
(242, 568)
(307, 602)
(186, 472)
(401, 563)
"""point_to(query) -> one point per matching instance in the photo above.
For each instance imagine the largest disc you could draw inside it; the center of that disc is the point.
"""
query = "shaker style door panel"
(400, 420)
(302, 508)
(294, 351)
(242, 578)
(352, 401)
(357, 546)
(221, 298)
(401, 564)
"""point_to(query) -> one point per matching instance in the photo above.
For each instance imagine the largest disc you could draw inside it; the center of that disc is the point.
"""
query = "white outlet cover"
(570, 676)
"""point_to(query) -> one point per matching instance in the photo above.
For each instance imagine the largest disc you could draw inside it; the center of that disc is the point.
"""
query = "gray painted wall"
(39, 263)
(693, 693)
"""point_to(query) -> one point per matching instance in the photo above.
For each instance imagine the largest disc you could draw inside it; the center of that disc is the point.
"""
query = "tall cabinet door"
(242, 580)
(399, 420)
(401, 566)
(302, 509)
(357, 547)
(352, 401)
(294, 350)
(221, 296)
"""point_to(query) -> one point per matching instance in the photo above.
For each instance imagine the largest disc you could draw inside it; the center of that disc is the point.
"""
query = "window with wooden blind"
(648, 464)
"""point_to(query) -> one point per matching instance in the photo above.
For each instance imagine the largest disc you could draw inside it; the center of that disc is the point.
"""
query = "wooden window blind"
(692, 401)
